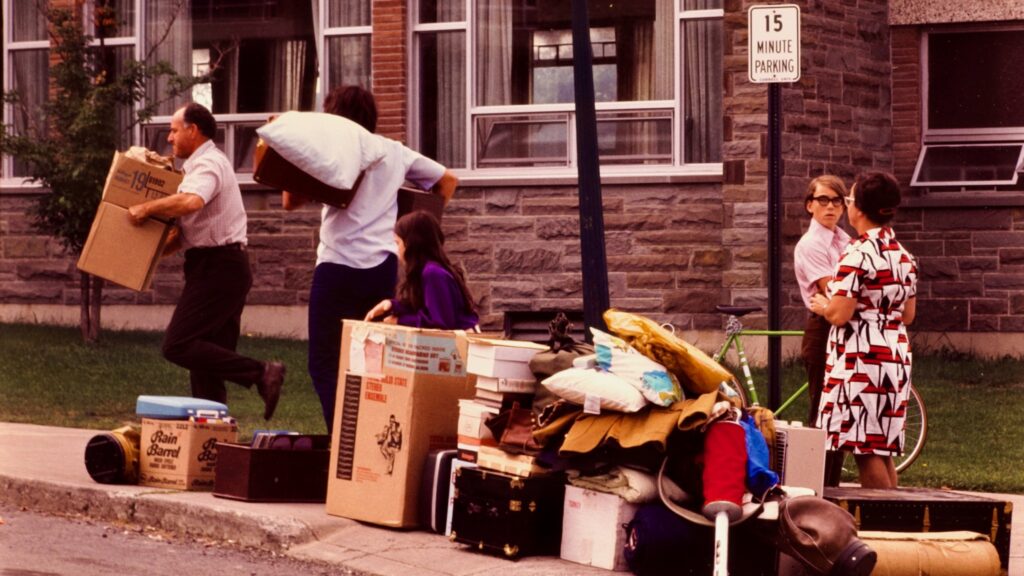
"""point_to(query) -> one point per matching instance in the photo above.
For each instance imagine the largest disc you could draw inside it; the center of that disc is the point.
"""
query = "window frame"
(322, 32)
(675, 171)
(980, 136)
(8, 180)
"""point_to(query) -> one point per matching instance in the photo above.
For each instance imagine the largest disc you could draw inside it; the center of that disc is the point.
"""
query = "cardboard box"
(398, 393)
(521, 465)
(592, 531)
(273, 474)
(507, 385)
(457, 465)
(502, 358)
(182, 455)
(117, 250)
(472, 419)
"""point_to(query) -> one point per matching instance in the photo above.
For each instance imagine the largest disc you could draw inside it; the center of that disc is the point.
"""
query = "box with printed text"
(116, 249)
(398, 399)
(182, 455)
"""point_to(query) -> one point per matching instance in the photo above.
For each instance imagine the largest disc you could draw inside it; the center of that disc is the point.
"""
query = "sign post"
(773, 36)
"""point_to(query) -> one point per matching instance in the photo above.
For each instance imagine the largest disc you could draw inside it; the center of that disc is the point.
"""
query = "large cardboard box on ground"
(592, 528)
(398, 399)
(117, 250)
(182, 455)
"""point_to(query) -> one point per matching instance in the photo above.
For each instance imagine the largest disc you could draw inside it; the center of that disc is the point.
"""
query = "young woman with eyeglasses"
(870, 302)
(815, 259)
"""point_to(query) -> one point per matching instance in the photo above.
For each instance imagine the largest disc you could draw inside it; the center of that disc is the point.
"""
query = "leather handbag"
(823, 538)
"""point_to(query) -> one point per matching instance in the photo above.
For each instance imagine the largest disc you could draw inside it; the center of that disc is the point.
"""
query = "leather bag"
(823, 538)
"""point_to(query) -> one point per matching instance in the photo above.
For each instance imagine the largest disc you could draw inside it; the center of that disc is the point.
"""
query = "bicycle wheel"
(916, 431)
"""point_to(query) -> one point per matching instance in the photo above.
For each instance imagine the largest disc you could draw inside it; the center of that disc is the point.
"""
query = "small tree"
(68, 149)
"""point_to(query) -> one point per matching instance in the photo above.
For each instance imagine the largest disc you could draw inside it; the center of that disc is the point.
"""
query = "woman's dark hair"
(877, 195)
(354, 103)
(198, 115)
(424, 242)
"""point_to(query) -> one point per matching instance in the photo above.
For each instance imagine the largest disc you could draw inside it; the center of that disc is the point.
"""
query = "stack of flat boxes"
(502, 369)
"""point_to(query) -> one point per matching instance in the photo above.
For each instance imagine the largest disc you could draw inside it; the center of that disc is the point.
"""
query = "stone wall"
(674, 251)
(836, 120)
(971, 252)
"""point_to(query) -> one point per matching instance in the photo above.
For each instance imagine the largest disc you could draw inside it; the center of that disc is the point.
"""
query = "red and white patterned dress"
(867, 374)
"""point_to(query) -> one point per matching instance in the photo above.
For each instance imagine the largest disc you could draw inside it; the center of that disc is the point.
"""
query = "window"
(495, 83)
(974, 109)
(263, 53)
(347, 43)
(26, 71)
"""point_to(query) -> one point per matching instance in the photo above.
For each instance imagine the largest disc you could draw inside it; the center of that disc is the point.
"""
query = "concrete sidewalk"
(42, 469)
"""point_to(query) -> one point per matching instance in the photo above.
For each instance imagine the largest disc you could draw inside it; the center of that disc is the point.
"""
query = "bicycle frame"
(734, 330)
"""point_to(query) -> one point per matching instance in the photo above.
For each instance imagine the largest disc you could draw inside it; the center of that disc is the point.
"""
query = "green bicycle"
(916, 429)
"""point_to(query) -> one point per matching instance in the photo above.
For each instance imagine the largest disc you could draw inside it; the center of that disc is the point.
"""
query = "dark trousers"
(204, 329)
(341, 292)
(813, 352)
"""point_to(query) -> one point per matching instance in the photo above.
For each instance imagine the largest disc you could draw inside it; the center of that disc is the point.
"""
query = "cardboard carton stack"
(116, 249)
(503, 377)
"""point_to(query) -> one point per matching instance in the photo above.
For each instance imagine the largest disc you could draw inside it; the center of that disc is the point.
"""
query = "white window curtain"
(494, 52)
(288, 74)
(451, 101)
(348, 13)
(169, 39)
(703, 90)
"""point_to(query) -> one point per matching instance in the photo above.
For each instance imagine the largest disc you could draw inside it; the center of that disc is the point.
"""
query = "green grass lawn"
(48, 376)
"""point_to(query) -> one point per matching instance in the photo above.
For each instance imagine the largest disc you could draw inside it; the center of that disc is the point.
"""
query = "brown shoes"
(269, 387)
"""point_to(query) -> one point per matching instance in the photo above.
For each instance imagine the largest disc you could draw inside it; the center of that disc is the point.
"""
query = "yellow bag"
(696, 371)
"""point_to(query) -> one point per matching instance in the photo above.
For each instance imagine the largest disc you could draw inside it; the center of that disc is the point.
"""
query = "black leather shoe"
(270, 387)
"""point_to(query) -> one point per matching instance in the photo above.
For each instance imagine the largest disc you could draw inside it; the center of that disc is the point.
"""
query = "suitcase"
(507, 515)
(928, 510)
(178, 408)
(411, 200)
(296, 472)
(434, 490)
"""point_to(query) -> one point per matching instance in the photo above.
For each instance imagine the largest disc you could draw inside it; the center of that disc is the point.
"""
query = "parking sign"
(773, 33)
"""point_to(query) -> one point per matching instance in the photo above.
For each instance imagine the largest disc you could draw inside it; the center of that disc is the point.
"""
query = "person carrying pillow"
(357, 263)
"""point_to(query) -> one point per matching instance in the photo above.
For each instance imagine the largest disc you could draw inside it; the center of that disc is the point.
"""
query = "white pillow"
(652, 379)
(614, 393)
(332, 149)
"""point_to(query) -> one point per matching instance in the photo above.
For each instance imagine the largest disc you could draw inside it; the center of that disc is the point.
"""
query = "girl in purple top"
(433, 293)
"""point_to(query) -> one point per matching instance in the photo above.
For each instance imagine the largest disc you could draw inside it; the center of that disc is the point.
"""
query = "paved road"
(41, 545)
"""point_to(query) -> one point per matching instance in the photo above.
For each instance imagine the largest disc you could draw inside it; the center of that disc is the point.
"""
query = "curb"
(154, 508)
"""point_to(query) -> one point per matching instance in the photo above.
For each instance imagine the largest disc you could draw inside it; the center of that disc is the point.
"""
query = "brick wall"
(390, 66)
(836, 119)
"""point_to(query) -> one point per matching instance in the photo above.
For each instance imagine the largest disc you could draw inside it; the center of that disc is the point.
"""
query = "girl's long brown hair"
(424, 241)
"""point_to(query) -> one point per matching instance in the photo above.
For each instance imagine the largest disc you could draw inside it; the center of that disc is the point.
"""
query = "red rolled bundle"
(725, 469)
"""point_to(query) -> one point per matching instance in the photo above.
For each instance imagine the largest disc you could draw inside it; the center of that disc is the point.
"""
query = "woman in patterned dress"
(867, 380)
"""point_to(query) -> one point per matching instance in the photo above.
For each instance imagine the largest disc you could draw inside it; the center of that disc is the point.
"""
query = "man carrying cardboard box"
(203, 332)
